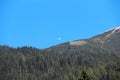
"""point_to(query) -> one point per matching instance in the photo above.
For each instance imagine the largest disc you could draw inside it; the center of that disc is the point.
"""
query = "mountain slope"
(108, 41)
(97, 58)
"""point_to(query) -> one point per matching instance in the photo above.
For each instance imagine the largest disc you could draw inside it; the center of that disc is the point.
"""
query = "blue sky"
(44, 23)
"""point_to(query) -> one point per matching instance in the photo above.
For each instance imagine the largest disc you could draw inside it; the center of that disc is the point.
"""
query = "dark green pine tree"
(84, 76)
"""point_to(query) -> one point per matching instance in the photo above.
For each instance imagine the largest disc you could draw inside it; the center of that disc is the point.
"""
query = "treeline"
(69, 63)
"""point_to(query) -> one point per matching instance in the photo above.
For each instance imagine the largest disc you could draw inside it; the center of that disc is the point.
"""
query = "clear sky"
(44, 23)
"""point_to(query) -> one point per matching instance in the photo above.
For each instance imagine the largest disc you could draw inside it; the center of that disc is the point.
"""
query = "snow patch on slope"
(112, 29)
(116, 29)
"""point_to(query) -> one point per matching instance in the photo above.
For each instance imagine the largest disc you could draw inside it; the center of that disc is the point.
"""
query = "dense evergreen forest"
(97, 59)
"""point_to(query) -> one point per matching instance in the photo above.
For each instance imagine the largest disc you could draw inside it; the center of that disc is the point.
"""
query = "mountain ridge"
(105, 40)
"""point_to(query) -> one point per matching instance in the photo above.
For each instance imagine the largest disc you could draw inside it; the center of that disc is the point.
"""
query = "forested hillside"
(97, 58)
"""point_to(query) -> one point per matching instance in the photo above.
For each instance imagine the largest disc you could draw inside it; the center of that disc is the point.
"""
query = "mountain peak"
(117, 29)
(111, 31)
